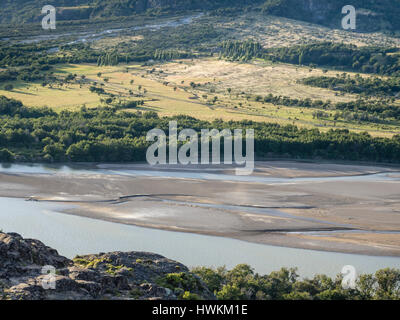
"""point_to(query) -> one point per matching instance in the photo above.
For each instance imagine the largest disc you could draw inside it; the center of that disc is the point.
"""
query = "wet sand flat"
(332, 207)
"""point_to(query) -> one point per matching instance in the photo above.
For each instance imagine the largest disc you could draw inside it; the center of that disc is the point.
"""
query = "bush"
(8, 87)
(241, 283)
(6, 155)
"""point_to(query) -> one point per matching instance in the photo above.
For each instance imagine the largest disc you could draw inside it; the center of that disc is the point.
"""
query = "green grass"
(176, 98)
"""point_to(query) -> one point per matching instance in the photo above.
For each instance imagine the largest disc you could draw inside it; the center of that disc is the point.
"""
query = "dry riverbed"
(332, 207)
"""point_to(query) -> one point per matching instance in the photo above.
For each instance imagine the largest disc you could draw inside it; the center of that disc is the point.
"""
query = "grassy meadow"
(206, 89)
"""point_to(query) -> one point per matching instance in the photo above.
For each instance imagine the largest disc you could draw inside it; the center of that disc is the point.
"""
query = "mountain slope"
(18, 11)
(371, 14)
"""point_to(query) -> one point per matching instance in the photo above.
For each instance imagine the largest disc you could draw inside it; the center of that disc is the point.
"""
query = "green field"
(167, 90)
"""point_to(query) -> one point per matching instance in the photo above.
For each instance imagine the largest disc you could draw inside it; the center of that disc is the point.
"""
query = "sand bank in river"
(345, 208)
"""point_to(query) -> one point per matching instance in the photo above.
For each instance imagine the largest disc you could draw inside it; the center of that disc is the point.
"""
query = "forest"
(109, 134)
(382, 61)
(241, 50)
(377, 110)
(372, 86)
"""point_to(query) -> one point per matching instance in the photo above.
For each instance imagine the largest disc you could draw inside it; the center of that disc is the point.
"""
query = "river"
(72, 235)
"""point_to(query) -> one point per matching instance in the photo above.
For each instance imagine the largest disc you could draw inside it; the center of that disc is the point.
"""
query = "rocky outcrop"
(30, 270)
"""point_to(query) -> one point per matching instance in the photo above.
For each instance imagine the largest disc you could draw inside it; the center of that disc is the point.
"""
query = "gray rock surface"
(115, 275)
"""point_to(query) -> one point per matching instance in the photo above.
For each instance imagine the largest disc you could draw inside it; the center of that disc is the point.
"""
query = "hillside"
(372, 15)
(18, 11)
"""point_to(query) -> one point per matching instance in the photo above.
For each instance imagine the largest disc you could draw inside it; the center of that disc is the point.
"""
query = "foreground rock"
(30, 270)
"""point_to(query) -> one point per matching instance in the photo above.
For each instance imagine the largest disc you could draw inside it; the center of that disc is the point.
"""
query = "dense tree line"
(371, 86)
(28, 74)
(129, 104)
(109, 134)
(383, 61)
(376, 109)
(17, 55)
(108, 59)
(241, 50)
(21, 55)
(15, 108)
(242, 283)
(166, 55)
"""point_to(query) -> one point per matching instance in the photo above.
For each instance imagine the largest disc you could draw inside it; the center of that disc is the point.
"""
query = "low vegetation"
(242, 283)
(182, 284)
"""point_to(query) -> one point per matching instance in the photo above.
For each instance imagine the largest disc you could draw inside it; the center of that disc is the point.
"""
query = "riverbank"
(105, 276)
(31, 270)
(328, 207)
